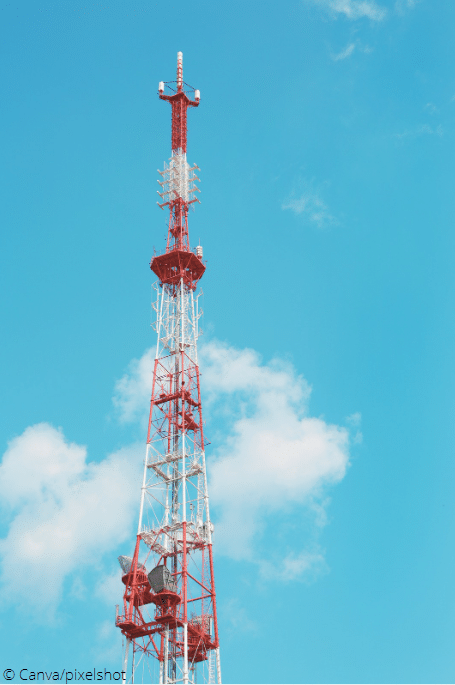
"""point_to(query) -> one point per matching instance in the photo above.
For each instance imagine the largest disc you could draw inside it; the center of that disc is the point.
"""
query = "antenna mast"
(169, 615)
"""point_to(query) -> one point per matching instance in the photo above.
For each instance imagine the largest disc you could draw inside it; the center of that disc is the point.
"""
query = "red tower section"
(179, 187)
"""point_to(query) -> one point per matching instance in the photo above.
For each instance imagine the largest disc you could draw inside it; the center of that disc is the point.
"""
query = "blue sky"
(325, 138)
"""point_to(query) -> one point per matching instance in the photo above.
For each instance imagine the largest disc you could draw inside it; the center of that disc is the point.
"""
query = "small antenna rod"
(179, 71)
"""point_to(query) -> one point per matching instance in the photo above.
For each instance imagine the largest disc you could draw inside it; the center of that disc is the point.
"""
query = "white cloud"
(133, 391)
(276, 459)
(65, 513)
(353, 9)
(347, 52)
(308, 202)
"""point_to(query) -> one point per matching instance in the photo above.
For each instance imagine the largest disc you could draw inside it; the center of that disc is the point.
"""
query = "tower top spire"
(179, 71)
(181, 96)
(178, 190)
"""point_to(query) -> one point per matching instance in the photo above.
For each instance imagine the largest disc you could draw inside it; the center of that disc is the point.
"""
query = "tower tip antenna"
(179, 70)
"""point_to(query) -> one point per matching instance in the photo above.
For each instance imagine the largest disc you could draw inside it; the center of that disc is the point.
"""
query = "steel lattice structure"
(168, 617)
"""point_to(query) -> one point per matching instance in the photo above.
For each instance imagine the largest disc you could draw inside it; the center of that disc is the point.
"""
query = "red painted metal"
(178, 261)
(179, 103)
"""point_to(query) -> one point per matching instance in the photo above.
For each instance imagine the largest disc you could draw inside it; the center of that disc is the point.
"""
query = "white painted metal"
(144, 479)
(185, 653)
(178, 178)
(166, 656)
(125, 660)
(179, 69)
(211, 668)
(218, 666)
(184, 465)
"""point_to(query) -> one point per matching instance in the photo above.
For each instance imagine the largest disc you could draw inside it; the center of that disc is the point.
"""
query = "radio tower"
(169, 619)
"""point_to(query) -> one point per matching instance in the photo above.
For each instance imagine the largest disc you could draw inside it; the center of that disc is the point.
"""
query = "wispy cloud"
(307, 200)
(237, 618)
(307, 565)
(354, 421)
(431, 108)
(353, 9)
(347, 52)
(107, 643)
(402, 5)
(422, 130)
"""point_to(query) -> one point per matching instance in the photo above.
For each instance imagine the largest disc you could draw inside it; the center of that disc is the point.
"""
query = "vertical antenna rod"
(179, 71)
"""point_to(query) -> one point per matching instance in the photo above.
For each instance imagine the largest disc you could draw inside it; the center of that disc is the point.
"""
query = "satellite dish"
(126, 563)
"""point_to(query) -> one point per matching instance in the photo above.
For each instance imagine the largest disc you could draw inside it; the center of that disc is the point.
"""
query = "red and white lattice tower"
(168, 618)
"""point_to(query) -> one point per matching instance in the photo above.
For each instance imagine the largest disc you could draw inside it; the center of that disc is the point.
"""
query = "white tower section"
(176, 461)
(178, 179)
